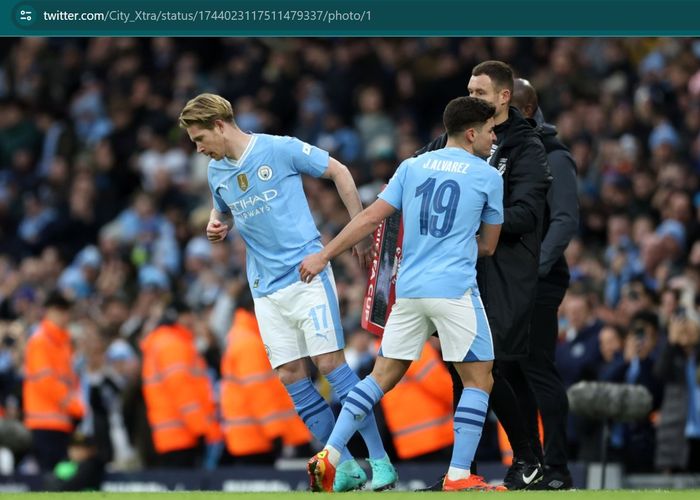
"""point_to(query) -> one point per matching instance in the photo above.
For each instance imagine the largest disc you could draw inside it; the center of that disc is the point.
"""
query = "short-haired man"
(508, 279)
(445, 196)
(541, 374)
(257, 179)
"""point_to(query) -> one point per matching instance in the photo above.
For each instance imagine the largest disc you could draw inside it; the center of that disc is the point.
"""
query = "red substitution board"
(381, 284)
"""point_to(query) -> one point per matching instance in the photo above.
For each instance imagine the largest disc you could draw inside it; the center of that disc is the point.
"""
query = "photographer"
(678, 431)
(635, 441)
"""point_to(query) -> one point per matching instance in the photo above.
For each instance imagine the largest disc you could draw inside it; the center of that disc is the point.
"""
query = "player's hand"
(364, 252)
(216, 231)
(311, 266)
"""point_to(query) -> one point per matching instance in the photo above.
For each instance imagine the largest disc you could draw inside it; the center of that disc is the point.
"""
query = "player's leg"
(470, 414)
(403, 340)
(362, 398)
(316, 309)
(287, 356)
(466, 342)
(356, 408)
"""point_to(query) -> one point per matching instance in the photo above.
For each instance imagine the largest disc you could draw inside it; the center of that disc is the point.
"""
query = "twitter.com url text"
(328, 16)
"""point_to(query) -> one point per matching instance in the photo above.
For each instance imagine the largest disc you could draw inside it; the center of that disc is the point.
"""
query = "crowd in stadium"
(103, 197)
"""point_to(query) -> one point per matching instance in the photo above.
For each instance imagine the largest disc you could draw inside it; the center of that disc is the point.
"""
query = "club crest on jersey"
(264, 173)
(243, 182)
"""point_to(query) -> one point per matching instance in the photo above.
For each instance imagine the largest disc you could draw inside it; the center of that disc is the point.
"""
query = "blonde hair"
(204, 109)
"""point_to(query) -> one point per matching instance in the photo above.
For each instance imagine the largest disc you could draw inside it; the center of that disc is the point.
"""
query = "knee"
(326, 363)
(290, 373)
(287, 377)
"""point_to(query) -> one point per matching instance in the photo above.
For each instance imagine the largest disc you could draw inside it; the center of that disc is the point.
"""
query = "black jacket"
(508, 280)
(561, 214)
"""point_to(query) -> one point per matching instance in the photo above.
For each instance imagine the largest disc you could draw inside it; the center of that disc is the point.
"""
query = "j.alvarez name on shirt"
(253, 205)
(457, 167)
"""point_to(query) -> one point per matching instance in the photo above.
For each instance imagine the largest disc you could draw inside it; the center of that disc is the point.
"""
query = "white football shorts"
(461, 324)
(301, 320)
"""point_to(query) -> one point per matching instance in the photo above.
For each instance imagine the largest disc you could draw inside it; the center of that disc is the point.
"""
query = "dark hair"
(57, 300)
(466, 112)
(500, 73)
(174, 309)
(645, 317)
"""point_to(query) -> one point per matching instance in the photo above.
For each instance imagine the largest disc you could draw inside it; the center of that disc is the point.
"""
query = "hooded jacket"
(561, 213)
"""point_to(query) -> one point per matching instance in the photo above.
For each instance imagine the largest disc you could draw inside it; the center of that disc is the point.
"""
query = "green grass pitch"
(524, 495)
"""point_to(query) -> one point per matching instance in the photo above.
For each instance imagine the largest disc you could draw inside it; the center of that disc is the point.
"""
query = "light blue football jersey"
(444, 196)
(263, 191)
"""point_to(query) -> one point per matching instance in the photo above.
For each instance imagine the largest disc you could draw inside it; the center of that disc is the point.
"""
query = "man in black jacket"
(507, 280)
(548, 393)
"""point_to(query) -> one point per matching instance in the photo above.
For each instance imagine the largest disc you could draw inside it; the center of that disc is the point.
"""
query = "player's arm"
(345, 184)
(358, 228)
(488, 239)
(491, 215)
(218, 226)
(562, 199)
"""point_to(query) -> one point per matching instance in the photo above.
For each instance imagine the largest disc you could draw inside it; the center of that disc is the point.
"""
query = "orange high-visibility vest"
(255, 406)
(178, 394)
(418, 411)
(51, 391)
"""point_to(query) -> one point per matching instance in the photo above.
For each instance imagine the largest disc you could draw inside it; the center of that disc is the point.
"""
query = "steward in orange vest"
(257, 412)
(51, 392)
(179, 397)
(418, 411)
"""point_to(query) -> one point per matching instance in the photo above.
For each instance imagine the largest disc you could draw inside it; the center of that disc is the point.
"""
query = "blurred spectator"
(578, 354)
(611, 342)
(678, 431)
(158, 159)
(341, 141)
(18, 131)
(635, 441)
(373, 124)
(51, 394)
(84, 469)
(179, 397)
(78, 280)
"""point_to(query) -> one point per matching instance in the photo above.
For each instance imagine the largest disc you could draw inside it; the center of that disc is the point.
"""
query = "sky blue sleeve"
(394, 190)
(493, 208)
(219, 203)
(305, 158)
